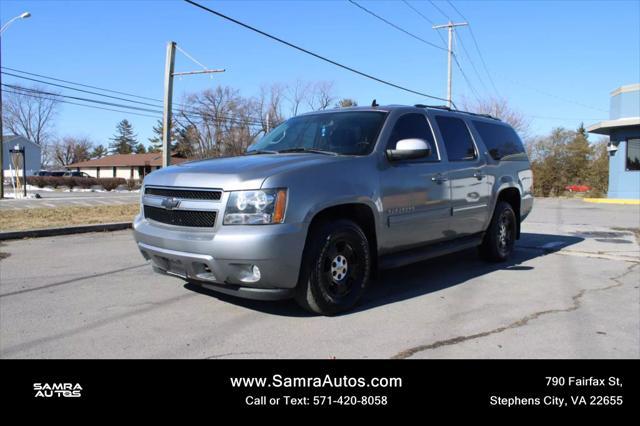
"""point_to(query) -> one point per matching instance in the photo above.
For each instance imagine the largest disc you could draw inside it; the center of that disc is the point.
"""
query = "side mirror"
(408, 149)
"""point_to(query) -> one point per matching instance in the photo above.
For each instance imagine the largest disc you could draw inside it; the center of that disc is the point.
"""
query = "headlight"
(259, 207)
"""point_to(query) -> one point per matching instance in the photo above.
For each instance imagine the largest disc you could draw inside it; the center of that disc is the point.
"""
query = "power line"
(77, 104)
(57, 96)
(81, 85)
(78, 98)
(545, 117)
(440, 10)
(445, 43)
(551, 95)
(515, 82)
(464, 75)
(426, 19)
(190, 111)
(395, 26)
(308, 52)
(91, 87)
(95, 93)
(473, 65)
(475, 42)
(78, 90)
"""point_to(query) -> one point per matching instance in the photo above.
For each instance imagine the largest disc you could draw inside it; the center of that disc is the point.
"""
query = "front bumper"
(222, 258)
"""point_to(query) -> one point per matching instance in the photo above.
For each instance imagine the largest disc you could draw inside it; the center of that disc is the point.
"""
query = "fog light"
(252, 275)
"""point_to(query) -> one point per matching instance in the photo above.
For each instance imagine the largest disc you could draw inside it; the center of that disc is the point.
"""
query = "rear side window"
(457, 139)
(502, 141)
(413, 126)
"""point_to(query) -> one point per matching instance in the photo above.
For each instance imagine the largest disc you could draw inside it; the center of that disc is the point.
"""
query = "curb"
(628, 202)
(52, 232)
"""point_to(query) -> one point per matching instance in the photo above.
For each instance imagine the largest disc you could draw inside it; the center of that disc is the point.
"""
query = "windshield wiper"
(312, 150)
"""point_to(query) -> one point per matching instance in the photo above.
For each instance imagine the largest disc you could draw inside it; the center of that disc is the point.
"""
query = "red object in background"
(577, 188)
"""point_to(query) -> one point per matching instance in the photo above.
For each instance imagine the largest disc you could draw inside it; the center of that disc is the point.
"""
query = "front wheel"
(335, 269)
(500, 238)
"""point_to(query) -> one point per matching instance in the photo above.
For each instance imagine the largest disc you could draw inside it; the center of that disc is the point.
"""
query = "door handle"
(439, 178)
(479, 175)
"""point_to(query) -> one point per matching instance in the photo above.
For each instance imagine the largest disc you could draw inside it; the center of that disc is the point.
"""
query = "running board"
(406, 257)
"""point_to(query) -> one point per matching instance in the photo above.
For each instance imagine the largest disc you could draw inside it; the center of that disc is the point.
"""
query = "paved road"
(60, 199)
(571, 291)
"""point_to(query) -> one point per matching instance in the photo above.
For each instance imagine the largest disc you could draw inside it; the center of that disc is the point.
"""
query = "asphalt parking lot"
(571, 291)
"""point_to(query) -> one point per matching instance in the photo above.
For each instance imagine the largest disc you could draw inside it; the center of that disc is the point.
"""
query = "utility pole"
(450, 27)
(168, 97)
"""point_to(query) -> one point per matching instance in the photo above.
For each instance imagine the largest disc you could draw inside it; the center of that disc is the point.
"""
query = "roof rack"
(446, 108)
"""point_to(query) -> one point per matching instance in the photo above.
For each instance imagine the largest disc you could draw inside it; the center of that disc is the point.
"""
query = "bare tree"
(321, 96)
(29, 112)
(70, 149)
(224, 122)
(268, 105)
(500, 108)
(296, 94)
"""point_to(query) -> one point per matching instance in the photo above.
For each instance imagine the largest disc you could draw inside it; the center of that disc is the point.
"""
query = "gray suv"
(321, 202)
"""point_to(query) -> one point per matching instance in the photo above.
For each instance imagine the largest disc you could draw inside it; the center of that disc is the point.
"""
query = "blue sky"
(556, 61)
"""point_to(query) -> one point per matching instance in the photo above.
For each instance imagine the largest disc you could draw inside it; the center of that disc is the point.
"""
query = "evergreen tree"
(156, 140)
(124, 141)
(578, 157)
(98, 152)
(186, 139)
(140, 148)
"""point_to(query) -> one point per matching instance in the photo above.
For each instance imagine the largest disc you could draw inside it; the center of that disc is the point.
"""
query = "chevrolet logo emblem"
(170, 203)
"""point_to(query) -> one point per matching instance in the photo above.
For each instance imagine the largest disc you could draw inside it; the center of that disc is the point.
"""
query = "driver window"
(413, 126)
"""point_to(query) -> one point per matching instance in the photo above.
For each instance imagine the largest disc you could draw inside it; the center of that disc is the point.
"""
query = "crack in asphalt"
(5, 352)
(519, 323)
(231, 354)
(72, 280)
(593, 254)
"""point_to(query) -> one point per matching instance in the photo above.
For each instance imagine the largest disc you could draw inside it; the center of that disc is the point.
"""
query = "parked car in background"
(326, 198)
(577, 188)
(76, 174)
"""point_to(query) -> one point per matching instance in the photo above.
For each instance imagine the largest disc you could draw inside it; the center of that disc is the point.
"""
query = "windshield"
(351, 133)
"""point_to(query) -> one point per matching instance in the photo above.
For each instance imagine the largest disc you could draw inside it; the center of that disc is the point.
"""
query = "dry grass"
(26, 219)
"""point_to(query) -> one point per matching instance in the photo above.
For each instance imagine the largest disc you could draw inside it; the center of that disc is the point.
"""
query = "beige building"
(127, 166)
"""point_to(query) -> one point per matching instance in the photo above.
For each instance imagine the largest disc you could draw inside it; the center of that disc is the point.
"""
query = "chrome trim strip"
(461, 209)
(185, 203)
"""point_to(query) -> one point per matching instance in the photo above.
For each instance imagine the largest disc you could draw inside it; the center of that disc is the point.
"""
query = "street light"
(23, 15)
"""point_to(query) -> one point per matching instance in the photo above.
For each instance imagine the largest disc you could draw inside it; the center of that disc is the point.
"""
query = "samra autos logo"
(57, 390)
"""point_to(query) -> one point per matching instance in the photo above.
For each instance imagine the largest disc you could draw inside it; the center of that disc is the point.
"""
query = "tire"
(335, 268)
(500, 237)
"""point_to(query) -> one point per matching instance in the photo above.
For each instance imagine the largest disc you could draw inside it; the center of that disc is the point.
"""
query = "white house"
(127, 166)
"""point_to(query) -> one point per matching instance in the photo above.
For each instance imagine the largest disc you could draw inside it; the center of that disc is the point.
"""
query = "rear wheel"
(500, 238)
(335, 270)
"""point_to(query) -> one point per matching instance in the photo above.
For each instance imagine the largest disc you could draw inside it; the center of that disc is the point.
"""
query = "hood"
(234, 173)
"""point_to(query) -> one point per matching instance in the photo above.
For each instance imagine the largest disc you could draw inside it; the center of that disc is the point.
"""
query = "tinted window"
(353, 132)
(413, 126)
(502, 141)
(457, 139)
(633, 154)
